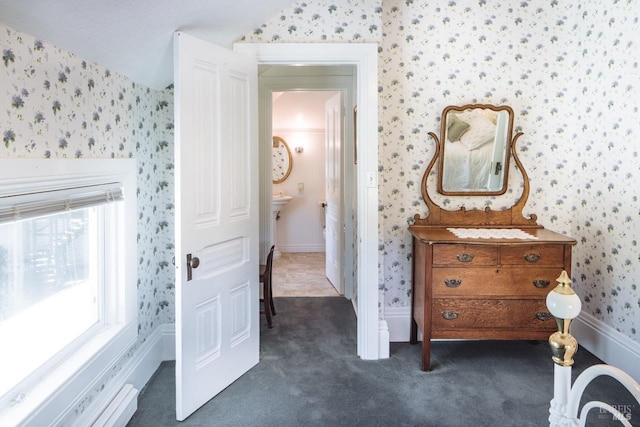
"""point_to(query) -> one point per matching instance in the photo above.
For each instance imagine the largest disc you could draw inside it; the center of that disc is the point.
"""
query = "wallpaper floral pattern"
(56, 105)
(605, 171)
(569, 71)
(318, 21)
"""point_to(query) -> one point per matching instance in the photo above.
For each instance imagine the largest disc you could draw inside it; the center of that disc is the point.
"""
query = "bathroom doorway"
(306, 168)
(298, 117)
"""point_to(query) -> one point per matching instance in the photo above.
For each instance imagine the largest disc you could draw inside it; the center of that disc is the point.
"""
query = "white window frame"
(63, 388)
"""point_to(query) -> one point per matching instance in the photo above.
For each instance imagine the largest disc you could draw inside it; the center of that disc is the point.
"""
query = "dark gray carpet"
(309, 375)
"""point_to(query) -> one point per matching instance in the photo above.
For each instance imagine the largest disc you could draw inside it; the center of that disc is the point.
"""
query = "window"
(67, 291)
(50, 288)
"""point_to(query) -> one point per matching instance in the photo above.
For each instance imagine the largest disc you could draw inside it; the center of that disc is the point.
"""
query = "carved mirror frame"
(471, 133)
(279, 142)
(437, 216)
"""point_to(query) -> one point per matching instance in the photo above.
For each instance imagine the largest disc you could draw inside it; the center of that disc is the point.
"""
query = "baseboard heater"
(120, 409)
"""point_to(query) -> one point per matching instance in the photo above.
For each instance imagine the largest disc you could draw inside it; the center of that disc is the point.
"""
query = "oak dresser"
(484, 288)
(480, 273)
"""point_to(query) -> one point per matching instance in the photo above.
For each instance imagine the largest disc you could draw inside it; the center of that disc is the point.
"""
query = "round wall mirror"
(281, 160)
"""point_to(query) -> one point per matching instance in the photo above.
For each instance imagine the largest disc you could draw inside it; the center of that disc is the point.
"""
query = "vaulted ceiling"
(135, 37)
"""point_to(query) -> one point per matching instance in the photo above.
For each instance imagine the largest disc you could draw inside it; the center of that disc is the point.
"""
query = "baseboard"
(399, 323)
(311, 247)
(168, 341)
(113, 405)
(383, 340)
(609, 345)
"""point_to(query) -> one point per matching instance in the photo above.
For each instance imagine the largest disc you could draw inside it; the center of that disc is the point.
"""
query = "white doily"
(491, 233)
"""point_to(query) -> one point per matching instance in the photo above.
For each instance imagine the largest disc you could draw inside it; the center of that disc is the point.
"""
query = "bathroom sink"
(278, 202)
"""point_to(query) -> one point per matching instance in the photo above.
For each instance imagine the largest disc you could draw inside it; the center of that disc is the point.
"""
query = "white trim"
(169, 341)
(383, 340)
(609, 345)
(120, 409)
(399, 323)
(309, 247)
(104, 399)
(365, 57)
(299, 131)
(137, 372)
(62, 390)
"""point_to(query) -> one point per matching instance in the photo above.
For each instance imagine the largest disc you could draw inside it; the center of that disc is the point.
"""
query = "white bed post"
(565, 306)
(561, 388)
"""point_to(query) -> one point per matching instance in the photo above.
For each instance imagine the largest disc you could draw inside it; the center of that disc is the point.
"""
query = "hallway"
(298, 274)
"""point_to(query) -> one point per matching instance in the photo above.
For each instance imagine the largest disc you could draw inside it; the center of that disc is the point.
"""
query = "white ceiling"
(135, 37)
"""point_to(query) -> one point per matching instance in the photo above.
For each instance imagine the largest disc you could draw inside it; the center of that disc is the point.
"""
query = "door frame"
(314, 80)
(365, 58)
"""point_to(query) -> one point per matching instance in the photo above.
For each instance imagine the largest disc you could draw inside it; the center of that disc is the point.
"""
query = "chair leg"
(273, 308)
(267, 306)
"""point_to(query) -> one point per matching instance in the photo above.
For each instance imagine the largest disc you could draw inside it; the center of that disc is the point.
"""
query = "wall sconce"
(299, 149)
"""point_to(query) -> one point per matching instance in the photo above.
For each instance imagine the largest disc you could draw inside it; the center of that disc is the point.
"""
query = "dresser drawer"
(533, 255)
(504, 282)
(488, 314)
(465, 255)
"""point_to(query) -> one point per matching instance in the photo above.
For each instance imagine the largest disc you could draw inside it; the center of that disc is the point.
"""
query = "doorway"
(373, 340)
(307, 196)
(300, 82)
(306, 265)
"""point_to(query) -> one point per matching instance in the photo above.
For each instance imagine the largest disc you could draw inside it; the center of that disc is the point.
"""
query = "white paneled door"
(333, 191)
(216, 253)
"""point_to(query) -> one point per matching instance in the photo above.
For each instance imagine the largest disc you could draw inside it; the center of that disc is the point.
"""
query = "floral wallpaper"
(56, 105)
(317, 21)
(605, 209)
(570, 73)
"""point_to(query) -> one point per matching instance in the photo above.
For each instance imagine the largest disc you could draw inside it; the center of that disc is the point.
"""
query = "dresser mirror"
(475, 142)
(484, 134)
(281, 160)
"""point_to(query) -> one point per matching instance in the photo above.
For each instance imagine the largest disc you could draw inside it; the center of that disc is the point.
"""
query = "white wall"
(299, 228)
(298, 117)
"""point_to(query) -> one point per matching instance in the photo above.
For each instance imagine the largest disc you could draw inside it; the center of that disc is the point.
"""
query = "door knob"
(192, 262)
(195, 262)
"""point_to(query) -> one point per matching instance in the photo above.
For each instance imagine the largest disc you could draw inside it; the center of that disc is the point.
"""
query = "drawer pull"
(450, 315)
(452, 283)
(541, 284)
(465, 257)
(532, 257)
(543, 315)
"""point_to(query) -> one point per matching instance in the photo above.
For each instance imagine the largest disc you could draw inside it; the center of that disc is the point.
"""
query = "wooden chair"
(267, 292)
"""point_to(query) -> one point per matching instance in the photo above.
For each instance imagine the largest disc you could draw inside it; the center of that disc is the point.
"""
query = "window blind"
(31, 205)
